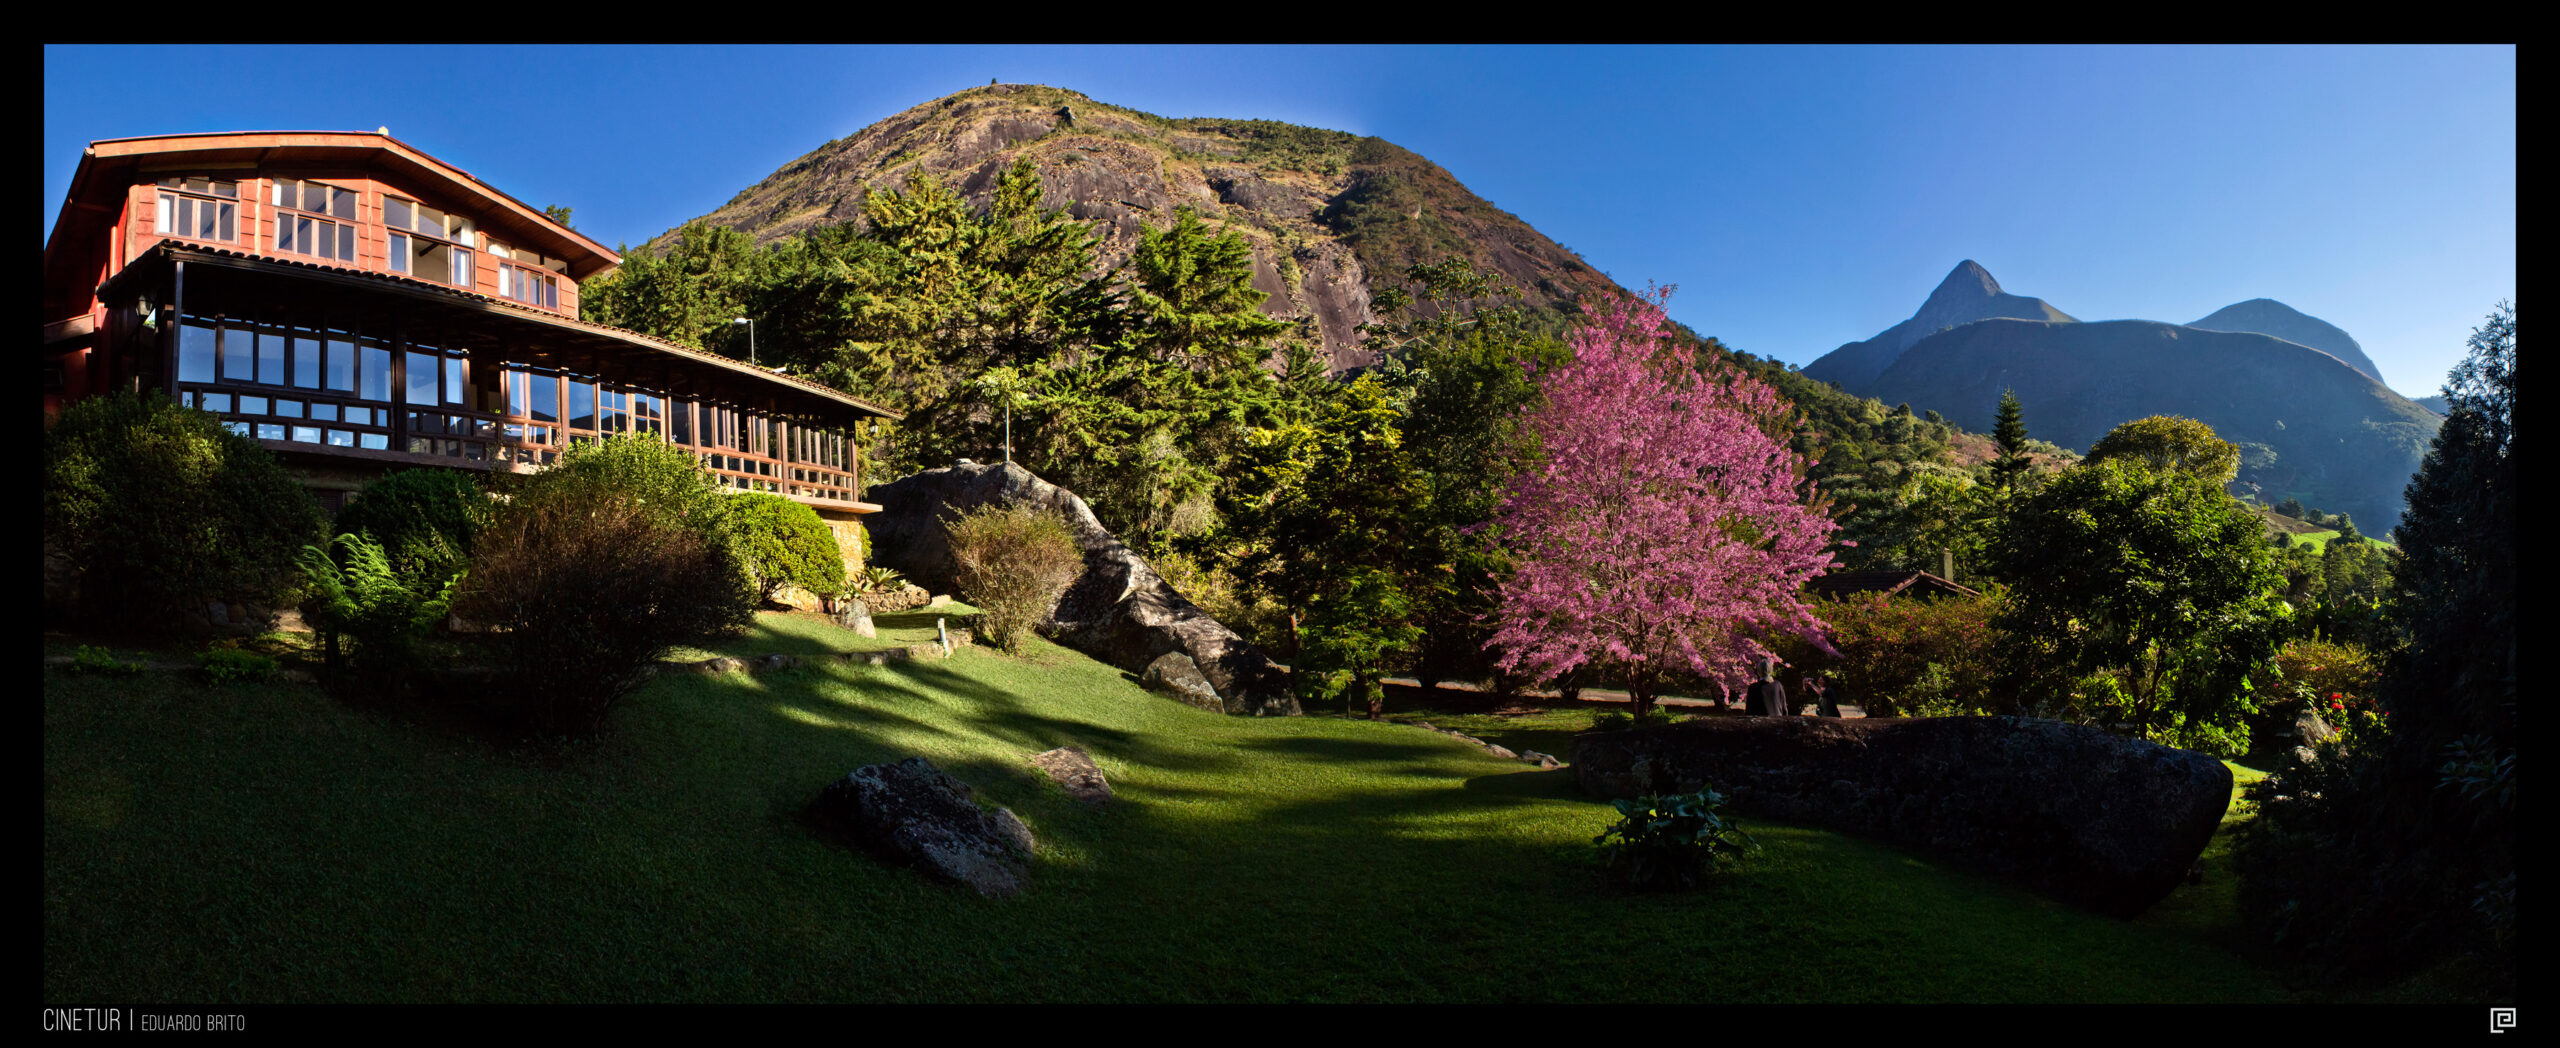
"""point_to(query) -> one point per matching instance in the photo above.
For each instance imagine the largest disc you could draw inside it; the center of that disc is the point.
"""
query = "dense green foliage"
(2166, 442)
(355, 594)
(778, 543)
(92, 659)
(1013, 562)
(160, 508)
(1671, 841)
(2154, 577)
(593, 571)
(2399, 845)
(1132, 388)
(1904, 656)
(233, 666)
(425, 521)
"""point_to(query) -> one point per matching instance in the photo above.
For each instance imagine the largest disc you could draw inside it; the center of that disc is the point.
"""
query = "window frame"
(166, 207)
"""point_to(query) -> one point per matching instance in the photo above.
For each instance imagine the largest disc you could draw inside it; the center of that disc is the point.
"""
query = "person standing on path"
(1769, 698)
(1822, 700)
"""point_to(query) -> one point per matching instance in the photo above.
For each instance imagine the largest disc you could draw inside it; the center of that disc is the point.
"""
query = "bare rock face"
(2106, 822)
(911, 812)
(1119, 611)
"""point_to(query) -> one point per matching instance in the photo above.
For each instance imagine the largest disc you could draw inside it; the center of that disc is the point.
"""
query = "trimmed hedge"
(779, 542)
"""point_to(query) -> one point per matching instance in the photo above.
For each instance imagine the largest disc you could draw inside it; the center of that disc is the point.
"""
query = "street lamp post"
(751, 337)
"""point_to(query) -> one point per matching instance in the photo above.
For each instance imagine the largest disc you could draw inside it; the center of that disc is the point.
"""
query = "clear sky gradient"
(1800, 197)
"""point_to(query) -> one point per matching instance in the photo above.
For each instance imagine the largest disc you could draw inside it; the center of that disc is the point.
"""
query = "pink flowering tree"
(1666, 528)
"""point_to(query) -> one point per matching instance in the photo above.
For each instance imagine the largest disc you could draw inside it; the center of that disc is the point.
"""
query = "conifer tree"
(2010, 433)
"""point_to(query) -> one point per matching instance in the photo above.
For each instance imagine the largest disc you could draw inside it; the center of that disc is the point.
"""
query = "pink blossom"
(1667, 526)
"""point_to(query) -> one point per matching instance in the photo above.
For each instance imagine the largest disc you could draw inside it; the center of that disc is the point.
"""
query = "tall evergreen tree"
(2010, 433)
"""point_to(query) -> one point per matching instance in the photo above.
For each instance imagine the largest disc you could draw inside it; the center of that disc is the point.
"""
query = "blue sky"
(1800, 197)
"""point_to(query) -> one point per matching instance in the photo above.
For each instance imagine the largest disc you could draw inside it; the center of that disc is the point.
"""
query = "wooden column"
(169, 337)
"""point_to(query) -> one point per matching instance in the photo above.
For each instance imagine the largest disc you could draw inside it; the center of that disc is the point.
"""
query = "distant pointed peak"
(1967, 280)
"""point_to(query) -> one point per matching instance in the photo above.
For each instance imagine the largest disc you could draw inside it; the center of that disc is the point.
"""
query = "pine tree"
(2010, 433)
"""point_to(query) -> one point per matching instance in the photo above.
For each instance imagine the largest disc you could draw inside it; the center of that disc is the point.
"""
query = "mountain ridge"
(1331, 217)
(1967, 294)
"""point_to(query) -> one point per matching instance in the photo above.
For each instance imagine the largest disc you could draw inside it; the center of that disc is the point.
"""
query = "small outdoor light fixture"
(751, 337)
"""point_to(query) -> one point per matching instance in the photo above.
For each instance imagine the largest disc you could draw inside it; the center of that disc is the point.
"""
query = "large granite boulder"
(2104, 821)
(1176, 676)
(1119, 611)
(913, 813)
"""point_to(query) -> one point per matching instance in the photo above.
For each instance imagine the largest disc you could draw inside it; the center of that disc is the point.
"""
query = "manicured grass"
(208, 844)
(2318, 541)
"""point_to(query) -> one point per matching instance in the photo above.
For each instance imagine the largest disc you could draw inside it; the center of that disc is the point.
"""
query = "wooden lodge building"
(356, 305)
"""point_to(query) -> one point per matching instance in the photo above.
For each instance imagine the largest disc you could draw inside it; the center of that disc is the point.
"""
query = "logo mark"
(2501, 1019)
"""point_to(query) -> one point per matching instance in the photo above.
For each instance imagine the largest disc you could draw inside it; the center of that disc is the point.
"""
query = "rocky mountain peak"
(1968, 281)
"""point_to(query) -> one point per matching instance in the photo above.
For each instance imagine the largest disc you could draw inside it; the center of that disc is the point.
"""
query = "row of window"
(317, 220)
(522, 404)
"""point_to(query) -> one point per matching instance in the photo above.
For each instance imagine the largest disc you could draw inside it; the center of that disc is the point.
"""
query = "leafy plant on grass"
(89, 658)
(781, 543)
(1014, 563)
(355, 594)
(1671, 841)
(1621, 720)
(426, 521)
(595, 569)
(233, 666)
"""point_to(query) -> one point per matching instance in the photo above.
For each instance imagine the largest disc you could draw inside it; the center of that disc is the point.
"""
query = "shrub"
(355, 594)
(233, 666)
(780, 543)
(158, 506)
(425, 519)
(101, 662)
(592, 572)
(1620, 720)
(1888, 646)
(1014, 564)
(878, 580)
(1671, 841)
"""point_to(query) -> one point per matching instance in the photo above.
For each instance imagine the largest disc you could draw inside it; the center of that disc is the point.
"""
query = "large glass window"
(582, 405)
(544, 398)
(196, 341)
(271, 355)
(376, 372)
(422, 379)
(306, 360)
(239, 356)
(198, 208)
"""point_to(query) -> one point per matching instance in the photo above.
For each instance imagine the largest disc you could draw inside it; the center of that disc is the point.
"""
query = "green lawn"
(2318, 541)
(206, 844)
